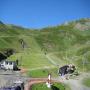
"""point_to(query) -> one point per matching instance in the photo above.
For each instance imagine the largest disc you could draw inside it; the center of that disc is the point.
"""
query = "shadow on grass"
(54, 88)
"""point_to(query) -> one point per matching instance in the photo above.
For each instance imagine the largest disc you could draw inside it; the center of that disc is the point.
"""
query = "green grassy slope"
(55, 86)
(29, 57)
(64, 44)
(86, 82)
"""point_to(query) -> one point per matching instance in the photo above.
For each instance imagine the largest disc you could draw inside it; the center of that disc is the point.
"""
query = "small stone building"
(11, 65)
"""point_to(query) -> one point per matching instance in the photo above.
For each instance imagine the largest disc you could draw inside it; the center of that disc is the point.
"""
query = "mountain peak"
(1, 23)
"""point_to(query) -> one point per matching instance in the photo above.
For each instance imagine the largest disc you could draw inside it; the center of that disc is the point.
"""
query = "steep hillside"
(10, 36)
(67, 43)
(50, 46)
(62, 37)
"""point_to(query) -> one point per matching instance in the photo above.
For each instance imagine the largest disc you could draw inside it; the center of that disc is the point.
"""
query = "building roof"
(7, 61)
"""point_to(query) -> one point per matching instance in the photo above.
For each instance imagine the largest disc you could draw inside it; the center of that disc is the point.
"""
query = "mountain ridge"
(59, 41)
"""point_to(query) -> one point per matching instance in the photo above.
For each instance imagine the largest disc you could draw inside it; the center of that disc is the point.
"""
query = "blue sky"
(42, 13)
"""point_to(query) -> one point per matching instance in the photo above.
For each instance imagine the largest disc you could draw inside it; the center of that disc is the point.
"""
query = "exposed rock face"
(80, 26)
